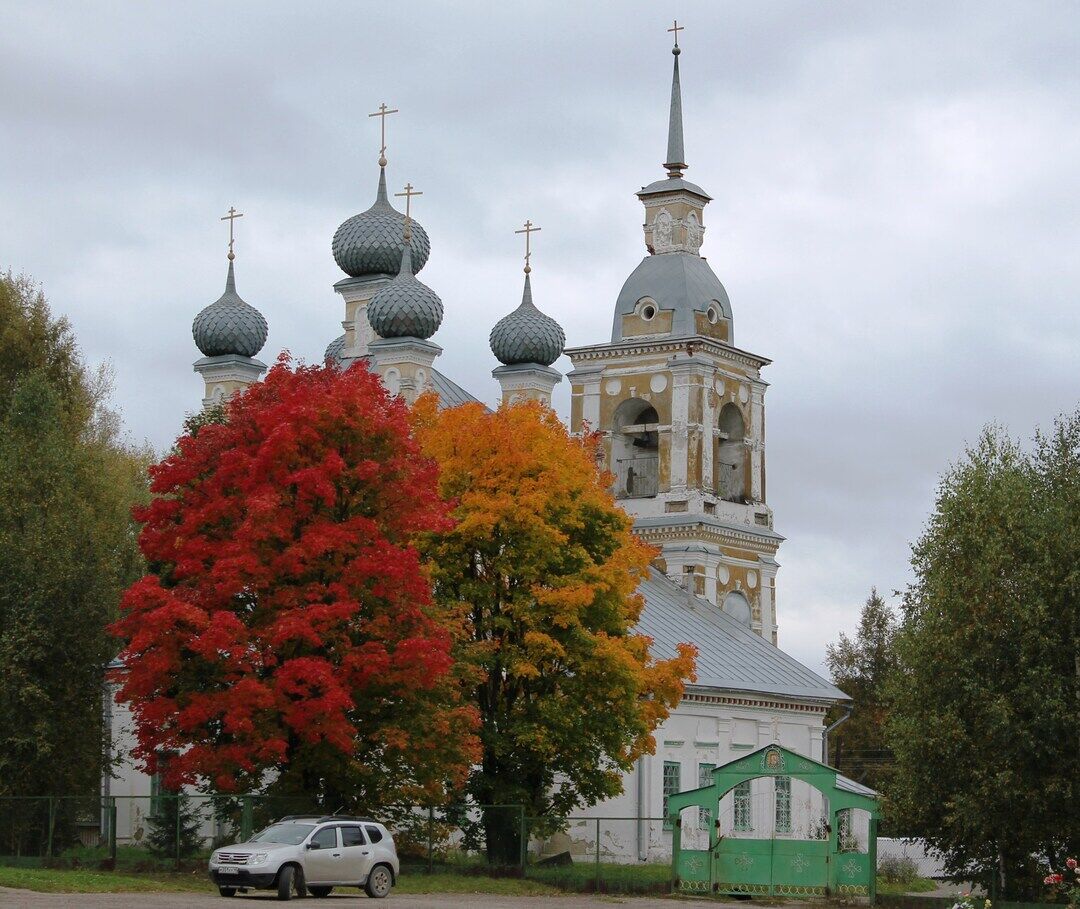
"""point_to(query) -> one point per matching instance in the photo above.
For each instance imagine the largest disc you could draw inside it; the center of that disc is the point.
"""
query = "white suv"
(309, 854)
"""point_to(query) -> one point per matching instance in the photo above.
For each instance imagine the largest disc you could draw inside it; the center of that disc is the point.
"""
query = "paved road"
(16, 899)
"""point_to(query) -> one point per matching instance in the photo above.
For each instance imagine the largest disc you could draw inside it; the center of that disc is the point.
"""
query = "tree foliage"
(984, 724)
(67, 549)
(860, 667)
(543, 566)
(286, 631)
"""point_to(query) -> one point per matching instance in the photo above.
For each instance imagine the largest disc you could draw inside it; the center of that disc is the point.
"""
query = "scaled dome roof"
(405, 308)
(229, 325)
(527, 335)
(370, 243)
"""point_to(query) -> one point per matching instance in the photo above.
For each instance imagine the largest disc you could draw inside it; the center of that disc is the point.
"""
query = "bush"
(897, 869)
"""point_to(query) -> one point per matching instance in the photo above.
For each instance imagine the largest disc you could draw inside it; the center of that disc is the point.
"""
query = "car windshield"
(291, 834)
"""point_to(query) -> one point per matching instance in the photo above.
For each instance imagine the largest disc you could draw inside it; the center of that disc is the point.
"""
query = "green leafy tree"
(860, 667)
(67, 549)
(984, 699)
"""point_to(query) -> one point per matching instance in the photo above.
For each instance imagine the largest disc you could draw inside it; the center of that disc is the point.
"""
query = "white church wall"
(695, 738)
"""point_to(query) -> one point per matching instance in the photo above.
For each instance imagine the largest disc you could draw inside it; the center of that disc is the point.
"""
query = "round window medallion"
(613, 386)
(713, 315)
(647, 312)
(751, 579)
(658, 383)
(723, 575)
(744, 394)
(719, 386)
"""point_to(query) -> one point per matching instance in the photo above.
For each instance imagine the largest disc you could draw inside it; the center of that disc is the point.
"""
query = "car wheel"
(379, 882)
(285, 882)
(227, 891)
(320, 891)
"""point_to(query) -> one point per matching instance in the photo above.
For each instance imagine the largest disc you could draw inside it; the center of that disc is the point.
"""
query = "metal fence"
(158, 833)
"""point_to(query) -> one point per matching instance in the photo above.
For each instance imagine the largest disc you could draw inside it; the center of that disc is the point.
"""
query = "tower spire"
(676, 156)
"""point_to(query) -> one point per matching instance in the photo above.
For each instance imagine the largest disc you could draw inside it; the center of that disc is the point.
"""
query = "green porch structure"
(825, 861)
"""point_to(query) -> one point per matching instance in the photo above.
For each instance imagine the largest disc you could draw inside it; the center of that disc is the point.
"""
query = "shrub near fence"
(155, 833)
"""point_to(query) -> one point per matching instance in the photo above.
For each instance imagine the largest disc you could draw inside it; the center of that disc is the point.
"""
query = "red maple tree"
(286, 631)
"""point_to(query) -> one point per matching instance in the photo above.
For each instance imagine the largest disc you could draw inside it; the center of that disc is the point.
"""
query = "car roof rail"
(324, 818)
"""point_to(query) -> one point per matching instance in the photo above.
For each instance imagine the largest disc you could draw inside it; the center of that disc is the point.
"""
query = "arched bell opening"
(732, 482)
(635, 449)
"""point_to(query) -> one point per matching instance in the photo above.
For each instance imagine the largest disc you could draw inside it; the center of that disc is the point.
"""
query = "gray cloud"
(895, 215)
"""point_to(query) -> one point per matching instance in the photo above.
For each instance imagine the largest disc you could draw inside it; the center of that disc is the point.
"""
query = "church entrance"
(774, 823)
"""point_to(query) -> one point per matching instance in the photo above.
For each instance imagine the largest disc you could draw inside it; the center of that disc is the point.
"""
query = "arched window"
(635, 449)
(738, 607)
(731, 480)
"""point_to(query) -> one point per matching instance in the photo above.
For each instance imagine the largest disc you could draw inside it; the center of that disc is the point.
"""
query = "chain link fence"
(167, 832)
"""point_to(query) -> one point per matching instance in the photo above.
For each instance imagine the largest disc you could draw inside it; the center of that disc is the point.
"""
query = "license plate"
(228, 869)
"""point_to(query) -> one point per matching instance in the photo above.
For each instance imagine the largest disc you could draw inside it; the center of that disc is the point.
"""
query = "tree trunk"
(502, 836)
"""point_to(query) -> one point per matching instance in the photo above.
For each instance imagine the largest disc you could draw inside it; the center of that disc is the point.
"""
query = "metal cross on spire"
(408, 194)
(528, 230)
(231, 218)
(676, 29)
(382, 113)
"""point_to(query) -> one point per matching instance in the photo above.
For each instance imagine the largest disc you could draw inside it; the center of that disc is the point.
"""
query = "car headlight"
(214, 857)
(258, 858)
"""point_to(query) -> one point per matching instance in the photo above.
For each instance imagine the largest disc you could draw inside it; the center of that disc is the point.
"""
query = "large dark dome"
(371, 242)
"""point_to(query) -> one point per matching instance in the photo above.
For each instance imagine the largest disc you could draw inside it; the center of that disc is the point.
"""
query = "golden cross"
(383, 112)
(528, 230)
(408, 194)
(677, 28)
(231, 218)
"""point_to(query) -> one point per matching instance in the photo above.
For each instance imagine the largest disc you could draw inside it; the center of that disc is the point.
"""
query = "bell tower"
(682, 410)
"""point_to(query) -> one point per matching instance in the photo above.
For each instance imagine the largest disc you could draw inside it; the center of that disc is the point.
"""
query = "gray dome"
(333, 351)
(681, 282)
(229, 325)
(527, 335)
(405, 308)
(371, 243)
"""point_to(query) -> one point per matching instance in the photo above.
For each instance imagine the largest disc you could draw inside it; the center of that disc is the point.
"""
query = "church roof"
(229, 325)
(527, 335)
(681, 282)
(450, 393)
(730, 656)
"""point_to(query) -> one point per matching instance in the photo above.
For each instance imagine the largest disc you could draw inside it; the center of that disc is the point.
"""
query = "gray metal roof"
(229, 325)
(371, 242)
(334, 349)
(849, 785)
(406, 307)
(676, 157)
(450, 393)
(673, 185)
(677, 281)
(527, 335)
(730, 656)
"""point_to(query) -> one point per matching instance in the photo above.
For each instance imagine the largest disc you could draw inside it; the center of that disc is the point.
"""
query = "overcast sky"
(896, 209)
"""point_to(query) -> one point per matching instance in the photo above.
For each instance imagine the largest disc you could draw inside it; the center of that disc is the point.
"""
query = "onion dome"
(405, 308)
(229, 326)
(371, 243)
(527, 335)
(333, 351)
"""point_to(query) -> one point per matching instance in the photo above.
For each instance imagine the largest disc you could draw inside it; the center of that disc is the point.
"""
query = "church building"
(681, 410)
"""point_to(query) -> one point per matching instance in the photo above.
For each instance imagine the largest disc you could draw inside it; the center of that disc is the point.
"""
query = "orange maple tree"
(544, 566)
(285, 631)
